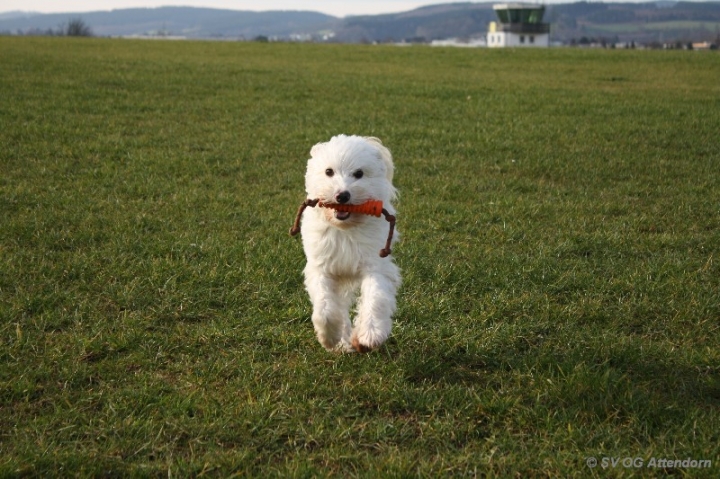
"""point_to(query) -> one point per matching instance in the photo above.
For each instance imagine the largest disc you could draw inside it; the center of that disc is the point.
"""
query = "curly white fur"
(343, 250)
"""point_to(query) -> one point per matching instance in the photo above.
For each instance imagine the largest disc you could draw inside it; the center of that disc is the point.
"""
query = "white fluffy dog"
(342, 248)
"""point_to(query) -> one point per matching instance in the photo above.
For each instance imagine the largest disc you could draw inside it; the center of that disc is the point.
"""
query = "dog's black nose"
(343, 197)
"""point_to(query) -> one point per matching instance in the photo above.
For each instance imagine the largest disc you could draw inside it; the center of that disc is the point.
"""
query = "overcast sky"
(338, 8)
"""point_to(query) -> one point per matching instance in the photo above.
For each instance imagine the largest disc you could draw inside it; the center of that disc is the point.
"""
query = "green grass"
(560, 212)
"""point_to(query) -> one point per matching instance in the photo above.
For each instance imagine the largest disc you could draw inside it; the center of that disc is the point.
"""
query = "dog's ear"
(385, 156)
(316, 149)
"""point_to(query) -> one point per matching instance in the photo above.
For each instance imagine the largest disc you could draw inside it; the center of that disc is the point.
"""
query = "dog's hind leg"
(375, 309)
(330, 316)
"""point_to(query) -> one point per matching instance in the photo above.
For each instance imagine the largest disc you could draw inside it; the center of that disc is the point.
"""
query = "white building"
(519, 25)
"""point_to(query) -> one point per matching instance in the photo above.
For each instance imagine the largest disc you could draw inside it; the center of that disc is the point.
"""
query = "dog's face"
(349, 170)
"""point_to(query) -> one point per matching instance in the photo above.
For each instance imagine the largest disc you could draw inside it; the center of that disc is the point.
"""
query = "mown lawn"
(560, 213)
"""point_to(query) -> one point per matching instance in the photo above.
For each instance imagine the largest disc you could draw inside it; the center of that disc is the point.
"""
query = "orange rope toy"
(371, 208)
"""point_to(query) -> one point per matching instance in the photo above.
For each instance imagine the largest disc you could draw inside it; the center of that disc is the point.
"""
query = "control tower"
(518, 25)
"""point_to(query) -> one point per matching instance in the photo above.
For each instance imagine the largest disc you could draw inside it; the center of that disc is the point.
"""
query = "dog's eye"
(358, 174)
(329, 172)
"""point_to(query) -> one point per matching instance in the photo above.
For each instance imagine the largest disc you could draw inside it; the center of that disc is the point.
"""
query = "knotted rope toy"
(371, 208)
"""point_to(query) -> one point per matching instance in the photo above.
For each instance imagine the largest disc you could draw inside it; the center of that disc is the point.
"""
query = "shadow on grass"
(608, 382)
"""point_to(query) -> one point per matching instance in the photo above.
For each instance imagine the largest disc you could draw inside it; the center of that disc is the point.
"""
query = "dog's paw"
(345, 347)
(365, 340)
(359, 347)
(364, 346)
(336, 346)
(329, 343)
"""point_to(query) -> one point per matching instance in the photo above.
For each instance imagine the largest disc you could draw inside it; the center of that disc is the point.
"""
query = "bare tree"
(76, 27)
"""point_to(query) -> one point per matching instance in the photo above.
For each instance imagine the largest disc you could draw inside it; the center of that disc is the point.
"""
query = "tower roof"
(518, 6)
(527, 13)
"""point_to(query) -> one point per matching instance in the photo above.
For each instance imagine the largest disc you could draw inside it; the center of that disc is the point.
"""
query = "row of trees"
(616, 43)
(74, 28)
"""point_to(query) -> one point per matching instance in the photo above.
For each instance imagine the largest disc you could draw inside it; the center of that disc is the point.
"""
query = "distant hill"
(640, 22)
(423, 24)
(181, 21)
(662, 21)
(16, 14)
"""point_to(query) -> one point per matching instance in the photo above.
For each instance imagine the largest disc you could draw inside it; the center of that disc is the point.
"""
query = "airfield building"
(518, 25)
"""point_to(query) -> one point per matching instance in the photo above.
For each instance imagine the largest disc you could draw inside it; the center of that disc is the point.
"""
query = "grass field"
(560, 212)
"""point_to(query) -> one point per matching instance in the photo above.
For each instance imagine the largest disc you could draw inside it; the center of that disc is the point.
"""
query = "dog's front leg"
(375, 309)
(330, 315)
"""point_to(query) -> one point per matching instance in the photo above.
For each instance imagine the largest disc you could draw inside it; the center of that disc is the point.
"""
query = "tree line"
(75, 27)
